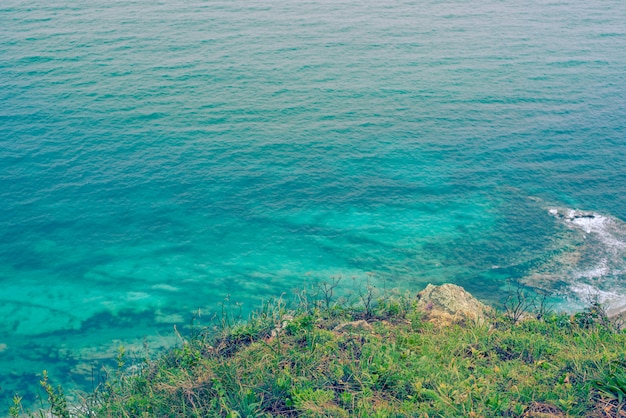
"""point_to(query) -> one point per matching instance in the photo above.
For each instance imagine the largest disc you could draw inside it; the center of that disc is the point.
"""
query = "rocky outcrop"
(449, 303)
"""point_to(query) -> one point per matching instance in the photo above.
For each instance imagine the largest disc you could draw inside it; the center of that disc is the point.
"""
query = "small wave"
(610, 231)
(600, 270)
(588, 259)
(613, 300)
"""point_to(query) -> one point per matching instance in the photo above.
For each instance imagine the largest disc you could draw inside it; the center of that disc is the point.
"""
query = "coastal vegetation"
(375, 354)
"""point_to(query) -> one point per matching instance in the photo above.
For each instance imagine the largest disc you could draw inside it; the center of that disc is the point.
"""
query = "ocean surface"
(158, 158)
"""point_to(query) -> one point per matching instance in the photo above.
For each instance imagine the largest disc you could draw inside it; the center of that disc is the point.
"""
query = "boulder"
(448, 304)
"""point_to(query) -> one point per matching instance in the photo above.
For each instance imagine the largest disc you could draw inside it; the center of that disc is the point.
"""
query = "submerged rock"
(449, 303)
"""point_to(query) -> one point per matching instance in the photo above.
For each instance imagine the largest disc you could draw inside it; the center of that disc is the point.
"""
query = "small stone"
(354, 326)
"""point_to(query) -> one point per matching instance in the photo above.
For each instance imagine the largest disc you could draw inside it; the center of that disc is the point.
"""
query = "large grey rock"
(449, 303)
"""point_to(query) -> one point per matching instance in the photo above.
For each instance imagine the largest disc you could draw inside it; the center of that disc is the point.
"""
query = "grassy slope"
(297, 363)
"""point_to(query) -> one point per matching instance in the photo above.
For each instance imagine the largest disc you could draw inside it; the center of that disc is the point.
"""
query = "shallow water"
(157, 158)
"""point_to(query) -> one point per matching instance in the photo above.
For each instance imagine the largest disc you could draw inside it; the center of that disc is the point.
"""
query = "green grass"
(295, 362)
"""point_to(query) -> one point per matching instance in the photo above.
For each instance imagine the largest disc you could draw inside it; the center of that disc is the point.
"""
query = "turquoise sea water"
(159, 157)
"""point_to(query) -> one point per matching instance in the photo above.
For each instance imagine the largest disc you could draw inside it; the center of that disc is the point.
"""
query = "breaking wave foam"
(593, 260)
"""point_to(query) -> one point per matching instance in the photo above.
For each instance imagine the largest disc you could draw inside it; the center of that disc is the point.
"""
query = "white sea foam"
(614, 301)
(598, 263)
(601, 269)
(589, 225)
(608, 230)
(591, 293)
